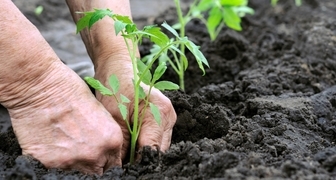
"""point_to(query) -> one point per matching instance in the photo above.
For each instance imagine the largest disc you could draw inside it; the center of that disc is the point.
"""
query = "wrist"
(110, 62)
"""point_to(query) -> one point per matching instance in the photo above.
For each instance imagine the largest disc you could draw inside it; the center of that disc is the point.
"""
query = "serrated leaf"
(123, 111)
(114, 83)
(130, 28)
(118, 27)
(98, 15)
(83, 22)
(170, 29)
(166, 85)
(156, 35)
(231, 19)
(142, 94)
(97, 85)
(204, 5)
(153, 52)
(214, 19)
(124, 19)
(164, 57)
(146, 76)
(198, 55)
(159, 71)
(156, 113)
(183, 58)
(124, 99)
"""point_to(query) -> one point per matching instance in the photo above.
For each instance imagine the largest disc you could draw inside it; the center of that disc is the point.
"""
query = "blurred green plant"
(297, 2)
(215, 14)
(38, 10)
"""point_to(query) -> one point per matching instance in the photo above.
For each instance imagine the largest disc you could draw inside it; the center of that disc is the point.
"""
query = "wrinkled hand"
(105, 50)
(59, 122)
(151, 133)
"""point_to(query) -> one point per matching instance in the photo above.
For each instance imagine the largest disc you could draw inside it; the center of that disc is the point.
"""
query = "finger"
(166, 140)
(155, 135)
(88, 166)
(126, 137)
(150, 133)
(113, 160)
(168, 121)
(111, 107)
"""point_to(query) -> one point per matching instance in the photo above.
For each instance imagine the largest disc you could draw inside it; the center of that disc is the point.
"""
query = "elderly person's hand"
(151, 133)
(110, 56)
(55, 116)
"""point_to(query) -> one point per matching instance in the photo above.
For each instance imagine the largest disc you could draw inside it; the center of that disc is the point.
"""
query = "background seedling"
(214, 14)
(143, 73)
(38, 10)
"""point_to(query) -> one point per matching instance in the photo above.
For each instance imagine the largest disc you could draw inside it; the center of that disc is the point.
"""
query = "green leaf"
(38, 10)
(119, 26)
(164, 57)
(159, 71)
(198, 55)
(130, 28)
(156, 113)
(125, 23)
(124, 19)
(166, 85)
(231, 19)
(142, 94)
(241, 11)
(274, 2)
(92, 17)
(124, 99)
(298, 2)
(146, 76)
(184, 60)
(83, 22)
(233, 2)
(204, 5)
(98, 15)
(114, 83)
(153, 52)
(170, 29)
(123, 110)
(156, 35)
(214, 19)
(177, 26)
(97, 85)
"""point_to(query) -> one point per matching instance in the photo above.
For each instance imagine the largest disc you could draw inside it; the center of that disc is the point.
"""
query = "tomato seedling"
(218, 12)
(143, 73)
(214, 14)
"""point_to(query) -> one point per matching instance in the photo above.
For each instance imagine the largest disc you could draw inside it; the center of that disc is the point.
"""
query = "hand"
(151, 133)
(60, 123)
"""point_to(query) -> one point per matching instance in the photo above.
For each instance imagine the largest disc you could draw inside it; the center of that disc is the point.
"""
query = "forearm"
(24, 54)
(100, 40)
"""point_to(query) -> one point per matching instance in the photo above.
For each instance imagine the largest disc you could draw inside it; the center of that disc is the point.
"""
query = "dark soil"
(266, 108)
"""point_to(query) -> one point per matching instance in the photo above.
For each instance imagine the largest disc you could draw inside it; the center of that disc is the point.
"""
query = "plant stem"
(135, 129)
(182, 47)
